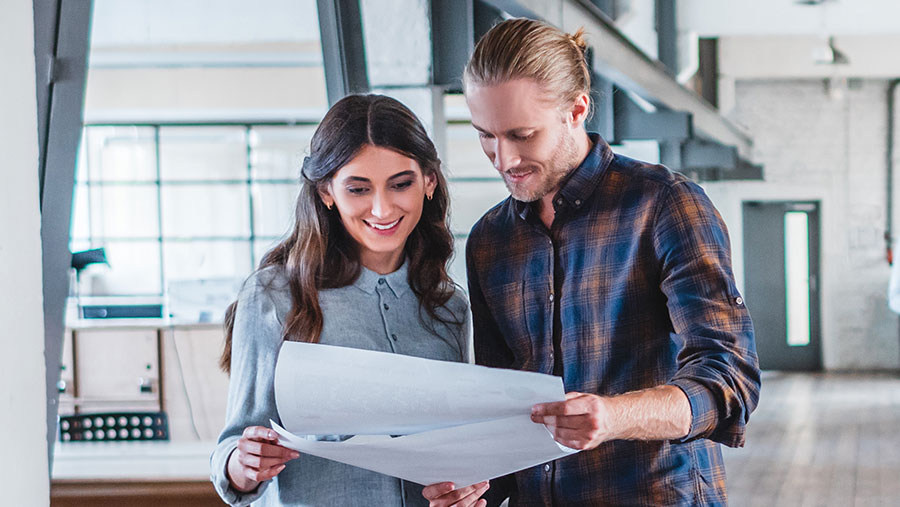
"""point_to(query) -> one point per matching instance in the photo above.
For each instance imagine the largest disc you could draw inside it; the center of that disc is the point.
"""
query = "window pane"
(124, 211)
(457, 267)
(196, 260)
(273, 208)
(205, 210)
(261, 247)
(121, 153)
(133, 270)
(277, 152)
(202, 153)
(81, 170)
(796, 257)
(80, 213)
(470, 200)
(465, 158)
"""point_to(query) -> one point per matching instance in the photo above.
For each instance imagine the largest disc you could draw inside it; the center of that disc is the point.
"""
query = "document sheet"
(421, 420)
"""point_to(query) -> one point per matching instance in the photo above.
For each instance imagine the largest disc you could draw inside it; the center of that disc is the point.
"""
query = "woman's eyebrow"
(402, 174)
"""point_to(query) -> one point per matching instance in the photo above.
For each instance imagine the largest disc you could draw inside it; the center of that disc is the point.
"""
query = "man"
(612, 273)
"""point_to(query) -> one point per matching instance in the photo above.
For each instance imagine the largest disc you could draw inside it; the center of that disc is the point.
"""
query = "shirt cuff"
(704, 412)
(219, 478)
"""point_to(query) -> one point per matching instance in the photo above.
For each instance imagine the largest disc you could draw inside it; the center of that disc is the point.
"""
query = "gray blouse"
(377, 312)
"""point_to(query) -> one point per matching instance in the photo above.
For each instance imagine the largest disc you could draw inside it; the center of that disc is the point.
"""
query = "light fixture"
(81, 260)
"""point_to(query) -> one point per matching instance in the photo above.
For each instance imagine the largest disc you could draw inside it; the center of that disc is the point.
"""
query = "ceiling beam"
(623, 63)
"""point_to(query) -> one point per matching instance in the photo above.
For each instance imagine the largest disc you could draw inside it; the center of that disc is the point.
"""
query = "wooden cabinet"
(148, 368)
(196, 390)
(117, 369)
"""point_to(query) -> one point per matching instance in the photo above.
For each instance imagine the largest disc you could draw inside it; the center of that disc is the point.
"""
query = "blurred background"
(170, 136)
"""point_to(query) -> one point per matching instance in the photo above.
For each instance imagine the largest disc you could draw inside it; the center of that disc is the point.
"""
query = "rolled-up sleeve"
(718, 368)
(256, 340)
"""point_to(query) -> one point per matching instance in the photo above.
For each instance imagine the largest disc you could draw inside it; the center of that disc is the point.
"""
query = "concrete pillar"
(22, 395)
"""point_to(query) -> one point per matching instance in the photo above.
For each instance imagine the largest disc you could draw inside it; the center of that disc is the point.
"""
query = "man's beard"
(561, 162)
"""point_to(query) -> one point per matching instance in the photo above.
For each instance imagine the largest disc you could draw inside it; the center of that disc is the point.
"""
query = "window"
(183, 202)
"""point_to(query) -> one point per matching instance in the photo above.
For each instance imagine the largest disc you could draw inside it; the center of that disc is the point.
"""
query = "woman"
(364, 267)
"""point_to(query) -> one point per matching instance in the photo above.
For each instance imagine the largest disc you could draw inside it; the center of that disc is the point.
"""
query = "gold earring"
(429, 196)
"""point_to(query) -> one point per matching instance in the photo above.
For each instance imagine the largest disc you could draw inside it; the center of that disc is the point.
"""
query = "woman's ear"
(430, 185)
(325, 195)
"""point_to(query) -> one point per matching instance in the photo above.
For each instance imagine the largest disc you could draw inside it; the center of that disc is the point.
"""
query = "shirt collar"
(397, 281)
(578, 185)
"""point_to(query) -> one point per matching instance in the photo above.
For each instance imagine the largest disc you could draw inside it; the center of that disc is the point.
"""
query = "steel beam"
(486, 15)
(633, 123)
(628, 67)
(667, 35)
(697, 154)
(452, 41)
(343, 51)
(709, 70)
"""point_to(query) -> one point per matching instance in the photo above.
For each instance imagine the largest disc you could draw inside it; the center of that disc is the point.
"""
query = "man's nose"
(505, 156)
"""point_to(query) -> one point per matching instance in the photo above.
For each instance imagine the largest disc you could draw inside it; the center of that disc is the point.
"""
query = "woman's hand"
(445, 494)
(258, 458)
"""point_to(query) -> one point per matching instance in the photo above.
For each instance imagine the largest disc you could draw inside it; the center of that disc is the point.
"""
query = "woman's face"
(379, 196)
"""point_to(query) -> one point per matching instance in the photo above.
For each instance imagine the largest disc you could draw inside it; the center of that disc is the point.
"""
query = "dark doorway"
(781, 273)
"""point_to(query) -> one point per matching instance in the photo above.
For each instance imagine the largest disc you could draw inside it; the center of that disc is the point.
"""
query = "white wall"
(818, 146)
(23, 437)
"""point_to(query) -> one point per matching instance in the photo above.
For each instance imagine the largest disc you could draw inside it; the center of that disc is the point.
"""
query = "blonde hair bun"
(577, 38)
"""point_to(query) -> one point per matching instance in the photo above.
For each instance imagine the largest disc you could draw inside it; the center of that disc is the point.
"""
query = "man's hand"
(585, 421)
(445, 494)
(581, 422)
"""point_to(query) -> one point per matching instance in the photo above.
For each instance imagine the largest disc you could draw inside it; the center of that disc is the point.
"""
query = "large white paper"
(324, 390)
(461, 423)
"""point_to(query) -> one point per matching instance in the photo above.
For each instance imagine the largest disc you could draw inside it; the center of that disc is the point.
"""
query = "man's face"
(526, 135)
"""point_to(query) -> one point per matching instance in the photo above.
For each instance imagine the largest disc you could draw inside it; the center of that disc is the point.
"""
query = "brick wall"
(826, 142)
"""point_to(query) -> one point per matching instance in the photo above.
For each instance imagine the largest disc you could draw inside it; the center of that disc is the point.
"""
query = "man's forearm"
(659, 413)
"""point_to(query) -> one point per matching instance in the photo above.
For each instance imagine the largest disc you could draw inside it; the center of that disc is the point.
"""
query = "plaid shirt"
(630, 288)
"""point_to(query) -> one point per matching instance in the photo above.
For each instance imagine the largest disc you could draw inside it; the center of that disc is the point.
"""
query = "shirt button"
(551, 297)
(394, 336)
(739, 300)
(546, 468)
(577, 202)
(381, 281)
(559, 201)
(386, 307)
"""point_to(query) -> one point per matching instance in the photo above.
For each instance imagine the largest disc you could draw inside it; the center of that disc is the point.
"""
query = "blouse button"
(394, 336)
(386, 307)
(551, 297)
(381, 281)
(739, 301)
(577, 202)
(546, 468)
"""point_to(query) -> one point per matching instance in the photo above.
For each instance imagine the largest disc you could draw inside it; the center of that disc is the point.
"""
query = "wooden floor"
(820, 440)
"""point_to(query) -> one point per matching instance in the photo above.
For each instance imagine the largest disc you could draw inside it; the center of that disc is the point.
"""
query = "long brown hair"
(320, 254)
